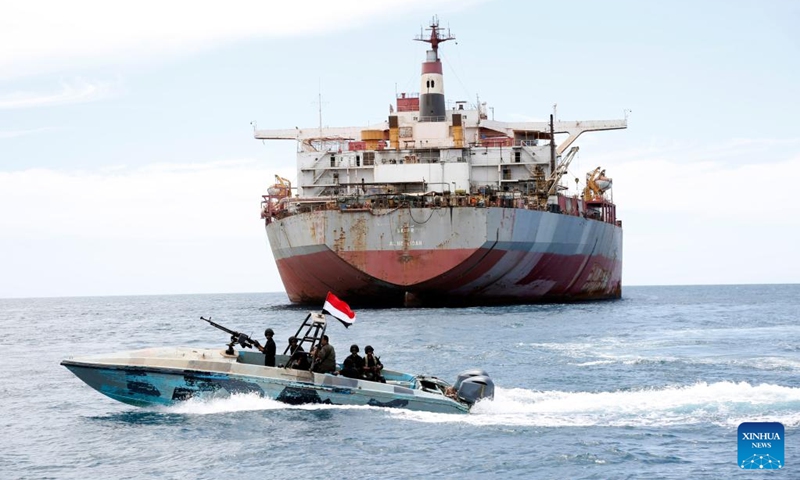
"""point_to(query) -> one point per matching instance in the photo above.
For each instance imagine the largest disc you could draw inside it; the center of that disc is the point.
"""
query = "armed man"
(269, 349)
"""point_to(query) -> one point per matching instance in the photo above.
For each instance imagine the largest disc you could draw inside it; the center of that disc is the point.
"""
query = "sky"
(128, 164)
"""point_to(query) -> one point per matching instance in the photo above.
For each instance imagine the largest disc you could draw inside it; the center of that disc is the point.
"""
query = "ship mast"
(431, 98)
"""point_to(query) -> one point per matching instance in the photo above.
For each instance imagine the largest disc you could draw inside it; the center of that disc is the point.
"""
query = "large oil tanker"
(442, 206)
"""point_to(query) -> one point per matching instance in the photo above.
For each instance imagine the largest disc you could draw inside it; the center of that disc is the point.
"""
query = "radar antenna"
(436, 37)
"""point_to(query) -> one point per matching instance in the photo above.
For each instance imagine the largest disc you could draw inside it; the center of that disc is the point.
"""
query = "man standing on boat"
(269, 349)
(324, 357)
(372, 365)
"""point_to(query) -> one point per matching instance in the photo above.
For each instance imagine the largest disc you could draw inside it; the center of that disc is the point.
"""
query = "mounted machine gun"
(242, 339)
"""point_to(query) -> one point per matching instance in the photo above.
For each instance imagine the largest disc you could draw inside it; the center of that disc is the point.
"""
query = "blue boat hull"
(136, 379)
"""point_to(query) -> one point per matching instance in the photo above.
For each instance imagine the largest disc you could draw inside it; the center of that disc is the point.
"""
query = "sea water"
(650, 386)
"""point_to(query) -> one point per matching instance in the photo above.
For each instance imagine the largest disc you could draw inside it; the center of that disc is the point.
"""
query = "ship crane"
(281, 188)
(596, 184)
(555, 178)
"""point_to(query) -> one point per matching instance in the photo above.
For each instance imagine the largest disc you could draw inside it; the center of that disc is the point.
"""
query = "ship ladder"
(315, 326)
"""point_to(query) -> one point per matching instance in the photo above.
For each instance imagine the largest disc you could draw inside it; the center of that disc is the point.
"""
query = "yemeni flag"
(339, 310)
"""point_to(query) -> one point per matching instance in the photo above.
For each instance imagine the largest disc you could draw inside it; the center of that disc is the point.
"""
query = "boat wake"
(723, 403)
(244, 402)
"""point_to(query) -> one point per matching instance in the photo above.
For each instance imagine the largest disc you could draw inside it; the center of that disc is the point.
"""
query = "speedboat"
(168, 375)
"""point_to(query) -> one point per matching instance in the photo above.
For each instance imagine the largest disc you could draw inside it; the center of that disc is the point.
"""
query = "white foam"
(594, 363)
(234, 403)
(243, 402)
(721, 403)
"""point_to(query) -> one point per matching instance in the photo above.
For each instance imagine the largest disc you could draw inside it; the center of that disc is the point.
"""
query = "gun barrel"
(226, 330)
(236, 337)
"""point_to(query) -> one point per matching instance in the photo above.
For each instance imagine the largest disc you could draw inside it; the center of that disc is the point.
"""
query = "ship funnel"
(431, 90)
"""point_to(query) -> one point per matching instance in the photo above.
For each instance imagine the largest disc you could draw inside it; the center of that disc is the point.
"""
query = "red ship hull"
(516, 271)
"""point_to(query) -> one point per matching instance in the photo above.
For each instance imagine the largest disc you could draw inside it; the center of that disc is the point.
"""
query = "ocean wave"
(759, 363)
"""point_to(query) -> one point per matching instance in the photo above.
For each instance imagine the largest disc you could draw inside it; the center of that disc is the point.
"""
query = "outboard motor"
(474, 385)
(468, 373)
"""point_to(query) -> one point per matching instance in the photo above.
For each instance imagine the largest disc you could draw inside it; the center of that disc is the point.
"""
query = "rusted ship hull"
(440, 205)
(447, 256)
